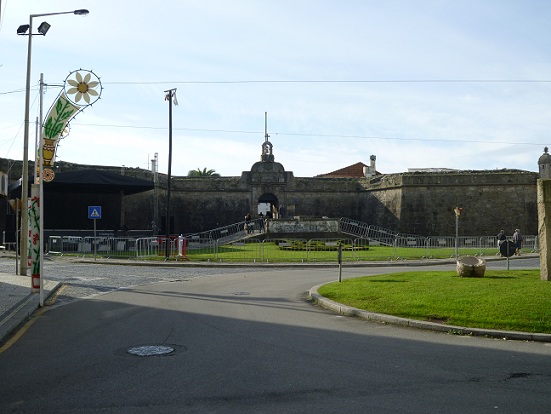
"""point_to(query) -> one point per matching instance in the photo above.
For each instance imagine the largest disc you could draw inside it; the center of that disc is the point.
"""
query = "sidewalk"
(18, 302)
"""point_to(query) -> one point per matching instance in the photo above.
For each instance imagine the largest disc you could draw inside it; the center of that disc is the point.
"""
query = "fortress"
(419, 202)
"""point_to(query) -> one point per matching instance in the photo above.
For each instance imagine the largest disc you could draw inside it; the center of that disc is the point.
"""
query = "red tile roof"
(352, 171)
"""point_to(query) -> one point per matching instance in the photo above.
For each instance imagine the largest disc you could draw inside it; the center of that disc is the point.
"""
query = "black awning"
(91, 181)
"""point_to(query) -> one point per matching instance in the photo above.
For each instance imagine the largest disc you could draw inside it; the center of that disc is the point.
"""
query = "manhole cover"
(150, 350)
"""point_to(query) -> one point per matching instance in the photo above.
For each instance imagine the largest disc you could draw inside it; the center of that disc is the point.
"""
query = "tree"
(198, 173)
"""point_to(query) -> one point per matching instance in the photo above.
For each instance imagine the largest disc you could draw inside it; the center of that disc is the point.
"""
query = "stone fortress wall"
(419, 203)
(413, 203)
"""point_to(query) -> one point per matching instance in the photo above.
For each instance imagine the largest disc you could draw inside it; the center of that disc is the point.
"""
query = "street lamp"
(22, 30)
(171, 98)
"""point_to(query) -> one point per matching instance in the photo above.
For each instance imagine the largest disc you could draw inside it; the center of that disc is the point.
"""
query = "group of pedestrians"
(516, 239)
(273, 213)
(250, 223)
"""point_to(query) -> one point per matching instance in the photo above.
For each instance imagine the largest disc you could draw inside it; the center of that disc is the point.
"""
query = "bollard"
(340, 261)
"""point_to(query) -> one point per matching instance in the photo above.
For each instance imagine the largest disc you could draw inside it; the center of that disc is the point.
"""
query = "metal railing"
(360, 242)
(231, 232)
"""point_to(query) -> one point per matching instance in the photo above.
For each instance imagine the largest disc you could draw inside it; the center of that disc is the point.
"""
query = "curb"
(24, 310)
(341, 309)
(183, 263)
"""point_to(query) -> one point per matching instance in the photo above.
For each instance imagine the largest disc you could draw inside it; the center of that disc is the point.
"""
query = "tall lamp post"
(22, 30)
(457, 211)
(171, 98)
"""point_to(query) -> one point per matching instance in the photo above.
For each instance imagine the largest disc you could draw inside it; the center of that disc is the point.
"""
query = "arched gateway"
(267, 202)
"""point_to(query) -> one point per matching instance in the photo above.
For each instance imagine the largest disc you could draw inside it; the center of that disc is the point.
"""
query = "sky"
(417, 83)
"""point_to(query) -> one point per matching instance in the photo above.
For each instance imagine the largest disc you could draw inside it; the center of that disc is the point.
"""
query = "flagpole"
(170, 95)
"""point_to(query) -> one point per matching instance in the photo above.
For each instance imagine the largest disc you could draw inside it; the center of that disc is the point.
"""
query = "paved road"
(81, 280)
(248, 341)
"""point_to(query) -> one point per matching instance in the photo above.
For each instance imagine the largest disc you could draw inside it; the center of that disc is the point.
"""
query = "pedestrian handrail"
(230, 232)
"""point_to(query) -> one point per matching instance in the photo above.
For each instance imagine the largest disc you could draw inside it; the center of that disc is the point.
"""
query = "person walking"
(247, 226)
(517, 240)
(501, 237)
(261, 224)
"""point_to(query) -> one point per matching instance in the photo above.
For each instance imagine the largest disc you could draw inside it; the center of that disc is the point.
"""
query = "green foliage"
(198, 173)
(512, 300)
(319, 245)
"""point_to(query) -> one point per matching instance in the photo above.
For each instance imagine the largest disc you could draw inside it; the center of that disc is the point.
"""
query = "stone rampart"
(417, 203)
(423, 203)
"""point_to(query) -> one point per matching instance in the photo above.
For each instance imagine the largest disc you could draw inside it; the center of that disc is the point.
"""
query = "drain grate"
(150, 350)
(241, 293)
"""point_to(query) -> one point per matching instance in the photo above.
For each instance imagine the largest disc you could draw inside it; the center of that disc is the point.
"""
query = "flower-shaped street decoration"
(83, 87)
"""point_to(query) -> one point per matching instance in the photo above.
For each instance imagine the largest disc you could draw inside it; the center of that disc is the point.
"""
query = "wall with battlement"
(423, 203)
(416, 203)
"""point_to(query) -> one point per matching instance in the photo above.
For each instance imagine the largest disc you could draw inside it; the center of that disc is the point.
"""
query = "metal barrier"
(288, 250)
(64, 244)
(237, 243)
(147, 247)
(127, 247)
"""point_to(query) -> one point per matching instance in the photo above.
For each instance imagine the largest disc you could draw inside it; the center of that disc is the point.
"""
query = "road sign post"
(507, 249)
(339, 258)
(94, 213)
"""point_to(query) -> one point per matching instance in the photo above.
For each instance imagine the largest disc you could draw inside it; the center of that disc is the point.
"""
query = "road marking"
(22, 331)
(15, 337)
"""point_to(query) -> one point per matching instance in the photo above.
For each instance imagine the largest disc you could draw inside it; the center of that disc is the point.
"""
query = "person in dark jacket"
(501, 237)
(517, 239)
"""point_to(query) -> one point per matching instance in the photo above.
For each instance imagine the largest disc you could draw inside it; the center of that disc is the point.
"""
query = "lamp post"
(22, 30)
(457, 211)
(171, 98)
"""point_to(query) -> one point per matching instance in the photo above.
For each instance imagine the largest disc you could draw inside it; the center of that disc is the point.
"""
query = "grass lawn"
(319, 251)
(293, 250)
(511, 300)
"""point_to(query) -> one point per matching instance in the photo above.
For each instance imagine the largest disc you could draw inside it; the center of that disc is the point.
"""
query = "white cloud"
(140, 49)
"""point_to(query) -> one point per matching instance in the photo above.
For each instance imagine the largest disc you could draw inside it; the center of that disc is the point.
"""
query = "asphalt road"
(249, 341)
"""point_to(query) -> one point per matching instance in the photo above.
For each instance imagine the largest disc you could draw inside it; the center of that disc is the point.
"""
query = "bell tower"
(267, 147)
(544, 164)
(268, 181)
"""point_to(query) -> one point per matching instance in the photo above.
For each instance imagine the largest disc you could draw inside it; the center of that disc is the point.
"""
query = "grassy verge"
(273, 252)
(511, 300)
(297, 251)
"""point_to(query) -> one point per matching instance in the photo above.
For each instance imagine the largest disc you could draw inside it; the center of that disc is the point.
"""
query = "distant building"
(358, 170)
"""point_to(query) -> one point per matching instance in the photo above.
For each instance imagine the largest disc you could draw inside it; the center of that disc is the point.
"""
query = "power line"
(15, 91)
(334, 81)
(165, 128)
(291, 134)
(319, 81)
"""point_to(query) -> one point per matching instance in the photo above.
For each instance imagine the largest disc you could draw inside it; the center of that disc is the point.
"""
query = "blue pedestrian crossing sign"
(94, 212)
